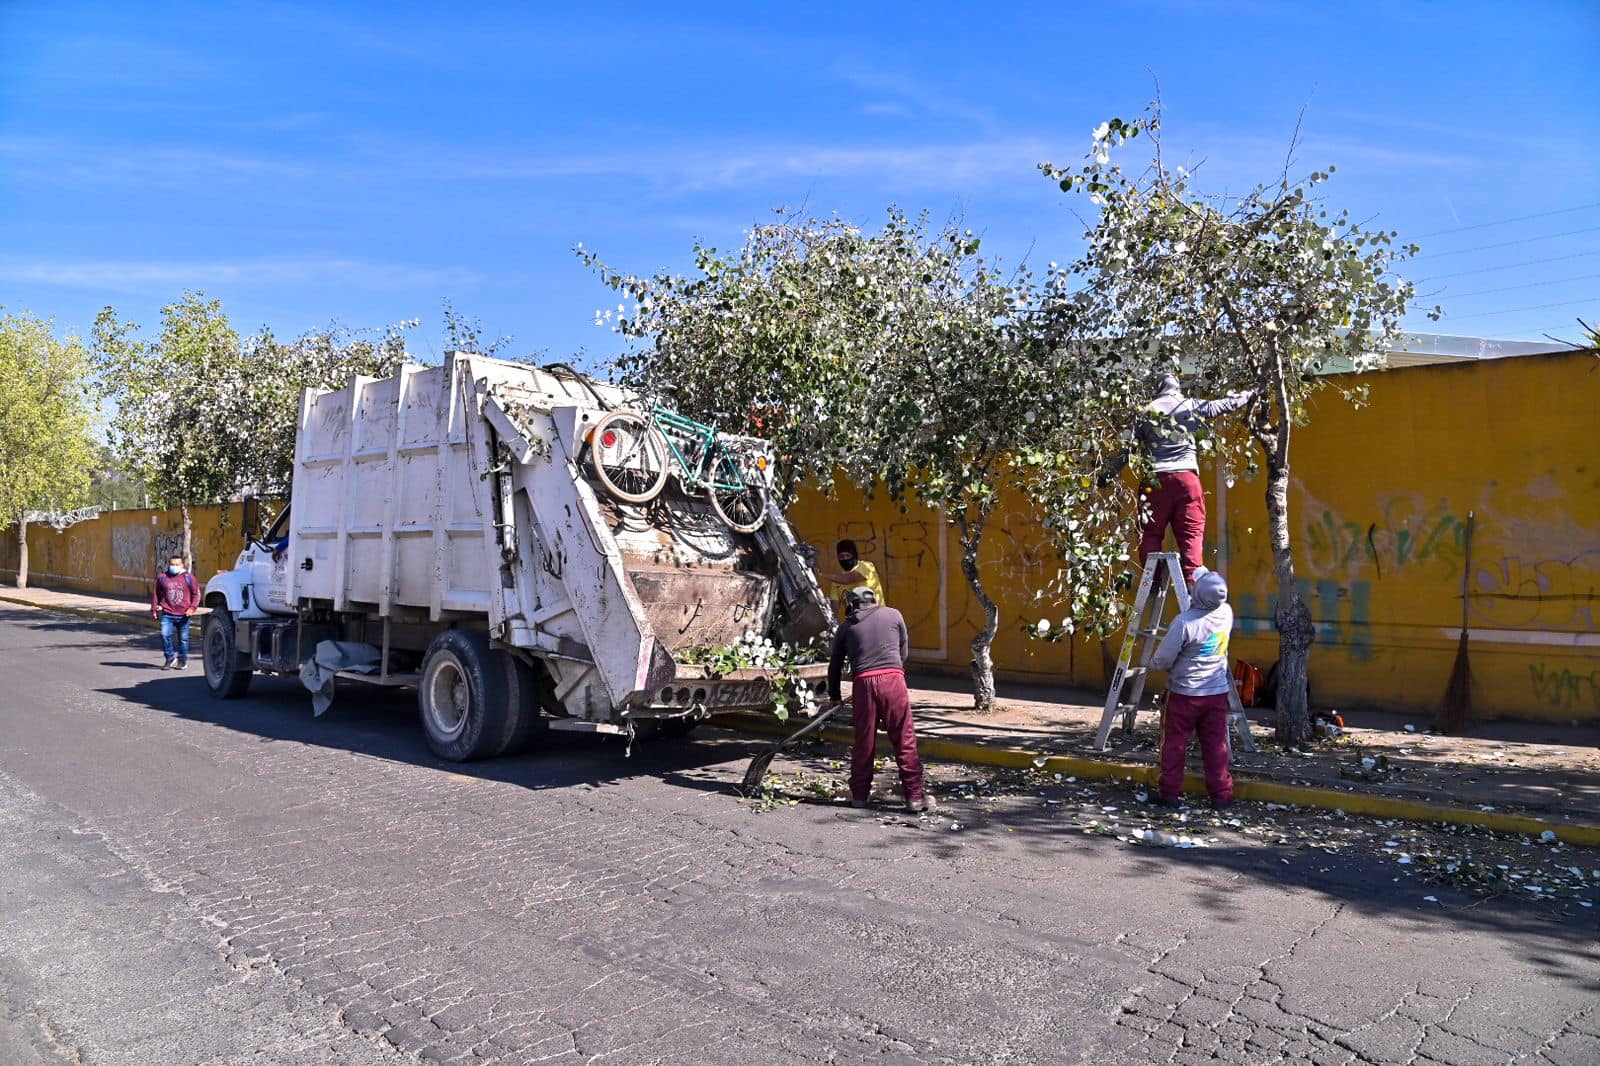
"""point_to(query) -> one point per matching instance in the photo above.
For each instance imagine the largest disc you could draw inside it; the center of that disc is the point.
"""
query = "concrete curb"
(121, 617)
(1377, 806)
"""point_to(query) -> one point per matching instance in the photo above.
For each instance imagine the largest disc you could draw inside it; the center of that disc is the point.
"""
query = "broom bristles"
(1457, 705)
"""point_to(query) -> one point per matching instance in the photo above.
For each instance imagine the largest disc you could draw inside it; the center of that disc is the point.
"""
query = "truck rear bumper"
(741, 690)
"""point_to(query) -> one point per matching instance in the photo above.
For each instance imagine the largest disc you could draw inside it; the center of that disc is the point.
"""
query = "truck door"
(268, 559)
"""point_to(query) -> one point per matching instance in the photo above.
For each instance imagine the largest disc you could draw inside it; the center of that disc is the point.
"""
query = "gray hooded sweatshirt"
(1195, 650)
(1168, 429)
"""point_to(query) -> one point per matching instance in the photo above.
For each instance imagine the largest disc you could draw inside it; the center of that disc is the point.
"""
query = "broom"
(1458, 693)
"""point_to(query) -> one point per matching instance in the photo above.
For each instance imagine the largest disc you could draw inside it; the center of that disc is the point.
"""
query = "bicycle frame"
(701, 474)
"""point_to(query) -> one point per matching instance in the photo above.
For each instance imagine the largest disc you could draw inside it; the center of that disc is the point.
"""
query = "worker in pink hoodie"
(173, 602)
(1194, 653)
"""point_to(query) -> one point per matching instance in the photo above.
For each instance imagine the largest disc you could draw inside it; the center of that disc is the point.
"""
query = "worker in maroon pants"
(1195, 655)
(1167, 433)
(874, 639)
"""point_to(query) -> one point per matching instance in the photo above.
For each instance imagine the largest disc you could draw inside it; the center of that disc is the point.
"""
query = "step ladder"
(1145, 630)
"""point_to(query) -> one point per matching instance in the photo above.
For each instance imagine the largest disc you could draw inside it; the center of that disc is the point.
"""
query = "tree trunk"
(188, 539)
(982, 659)
(1295, 628)
(22, 553)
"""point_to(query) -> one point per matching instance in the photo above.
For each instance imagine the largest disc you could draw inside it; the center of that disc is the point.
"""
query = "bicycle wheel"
(738, 492)
(630, 456)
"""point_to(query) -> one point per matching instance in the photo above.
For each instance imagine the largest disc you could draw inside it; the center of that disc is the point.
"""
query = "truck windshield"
(279, 530)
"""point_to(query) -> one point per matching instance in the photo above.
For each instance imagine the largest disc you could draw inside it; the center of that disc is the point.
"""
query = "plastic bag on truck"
(332, 656)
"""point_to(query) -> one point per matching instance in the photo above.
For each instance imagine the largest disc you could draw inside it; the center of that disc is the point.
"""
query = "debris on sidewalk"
(1476, 864)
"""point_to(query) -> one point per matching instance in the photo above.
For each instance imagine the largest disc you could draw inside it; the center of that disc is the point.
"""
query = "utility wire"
(1507, 244)
(1507, 266)
(1447, 295)
(1508, 221)
(1515, 310)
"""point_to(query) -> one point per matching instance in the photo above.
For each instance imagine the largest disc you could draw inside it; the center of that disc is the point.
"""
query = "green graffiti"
(1564, 688)
(1402, 537)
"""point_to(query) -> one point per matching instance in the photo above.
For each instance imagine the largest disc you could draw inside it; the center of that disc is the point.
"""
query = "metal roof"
(1417, 348)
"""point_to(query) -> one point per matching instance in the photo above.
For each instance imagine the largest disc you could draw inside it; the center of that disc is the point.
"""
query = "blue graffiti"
(1343, 614)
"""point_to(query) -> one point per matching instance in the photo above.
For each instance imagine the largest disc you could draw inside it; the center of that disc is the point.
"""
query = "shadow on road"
(382, 723)
(1560, 938)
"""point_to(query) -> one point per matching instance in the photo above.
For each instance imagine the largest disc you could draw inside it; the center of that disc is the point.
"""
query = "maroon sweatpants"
(1183, 717)
(879, 698)
(1179, 502)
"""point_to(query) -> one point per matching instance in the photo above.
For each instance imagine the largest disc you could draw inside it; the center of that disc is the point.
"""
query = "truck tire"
(465, 697)
(227, 670)
(528, 724)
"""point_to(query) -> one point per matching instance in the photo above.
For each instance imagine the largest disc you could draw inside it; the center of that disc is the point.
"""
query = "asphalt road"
(188, 881)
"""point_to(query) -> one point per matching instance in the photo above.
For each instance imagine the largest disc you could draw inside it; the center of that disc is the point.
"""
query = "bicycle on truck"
(634, 454)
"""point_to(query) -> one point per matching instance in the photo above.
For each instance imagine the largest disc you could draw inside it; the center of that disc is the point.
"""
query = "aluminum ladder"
(1145, 629)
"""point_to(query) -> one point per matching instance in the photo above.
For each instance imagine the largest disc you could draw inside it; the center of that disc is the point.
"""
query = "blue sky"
(363, 163)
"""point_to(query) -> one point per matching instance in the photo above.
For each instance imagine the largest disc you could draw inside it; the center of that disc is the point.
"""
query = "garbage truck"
(530, 549)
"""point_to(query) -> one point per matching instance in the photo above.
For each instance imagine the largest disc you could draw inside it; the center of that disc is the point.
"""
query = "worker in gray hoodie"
(1194, 653)
(874, 640)
(1167, 434)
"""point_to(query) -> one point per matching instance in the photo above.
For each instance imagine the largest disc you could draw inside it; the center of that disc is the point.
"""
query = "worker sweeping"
(874, 639)
(1195, 655)
(1167, 435)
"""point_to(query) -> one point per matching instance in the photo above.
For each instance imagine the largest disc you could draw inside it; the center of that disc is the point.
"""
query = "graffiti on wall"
(1514, 592)
(1405, 531)
(1017, 556)
(1343, 614)
(131, 550)
(1564, 688)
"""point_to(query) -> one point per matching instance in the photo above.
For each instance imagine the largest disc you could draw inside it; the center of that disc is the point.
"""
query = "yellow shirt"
(869, 575)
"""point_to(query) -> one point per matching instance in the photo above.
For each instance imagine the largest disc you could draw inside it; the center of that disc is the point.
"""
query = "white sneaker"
(183, 664)
(169, 664)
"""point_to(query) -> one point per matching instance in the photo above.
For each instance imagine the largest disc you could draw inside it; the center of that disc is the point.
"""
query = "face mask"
(849, 562)
(174, 570)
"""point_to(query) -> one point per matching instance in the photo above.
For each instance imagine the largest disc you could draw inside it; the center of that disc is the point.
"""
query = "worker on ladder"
(1166, 432)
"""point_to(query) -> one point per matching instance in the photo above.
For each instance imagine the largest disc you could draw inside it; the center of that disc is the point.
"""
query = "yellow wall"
(1378, 512)
(120, 552)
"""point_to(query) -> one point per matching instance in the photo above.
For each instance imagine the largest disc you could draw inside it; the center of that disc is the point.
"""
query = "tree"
(782, 339)
(273, 374)
(900, 357)
(46, 447)
(111, 487)
(463, 334)
(976, 404)
(1266, 292)
(167, 427)
(202, 417)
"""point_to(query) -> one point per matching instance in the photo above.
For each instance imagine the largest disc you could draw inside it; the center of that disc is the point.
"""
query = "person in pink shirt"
(173, 602)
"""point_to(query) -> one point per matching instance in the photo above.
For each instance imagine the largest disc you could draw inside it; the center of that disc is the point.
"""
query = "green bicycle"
(631, 450)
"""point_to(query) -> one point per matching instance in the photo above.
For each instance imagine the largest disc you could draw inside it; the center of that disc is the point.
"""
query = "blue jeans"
(178, 623)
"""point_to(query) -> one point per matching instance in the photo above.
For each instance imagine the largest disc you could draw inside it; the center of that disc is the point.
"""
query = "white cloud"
(130, 275)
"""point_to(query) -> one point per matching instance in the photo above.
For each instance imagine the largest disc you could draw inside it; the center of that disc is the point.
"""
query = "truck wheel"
(227, 671)
(526, 684)
(464, 697)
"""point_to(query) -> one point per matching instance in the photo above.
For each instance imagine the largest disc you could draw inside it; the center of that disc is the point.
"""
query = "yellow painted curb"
(1374, 805)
